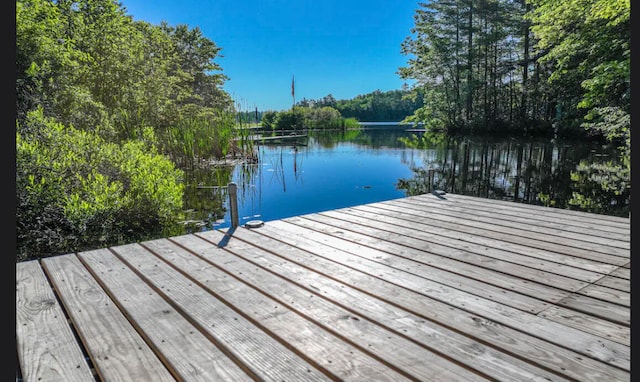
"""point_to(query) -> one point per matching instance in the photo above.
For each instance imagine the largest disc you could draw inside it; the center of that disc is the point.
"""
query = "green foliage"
(100, 96)
(308, 117)
(269, 119)
(601, 188)
(76, 191)
(546, 199)
(350, 123)
(91, 66)
(588, 43)
(290, 119)
(471, 60)
(614, 124)
(606, 186)
(45, 61)
(325, 117)
(197, 74)
(207, 136)
(431, 115)
(529, 67)
(377, 106)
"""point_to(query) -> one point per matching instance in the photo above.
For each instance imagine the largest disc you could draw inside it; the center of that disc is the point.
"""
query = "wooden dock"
(423, 288)
(277, 138)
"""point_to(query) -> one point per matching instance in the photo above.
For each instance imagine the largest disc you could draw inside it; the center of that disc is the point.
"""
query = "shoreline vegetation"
(111, 111)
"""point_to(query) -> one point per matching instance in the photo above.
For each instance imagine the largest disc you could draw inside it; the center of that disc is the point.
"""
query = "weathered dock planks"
(424, 288)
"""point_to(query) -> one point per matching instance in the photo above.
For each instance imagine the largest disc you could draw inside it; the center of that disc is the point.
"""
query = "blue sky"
(344, 48)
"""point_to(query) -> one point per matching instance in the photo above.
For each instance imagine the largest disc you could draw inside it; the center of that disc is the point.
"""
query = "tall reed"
(207, 138)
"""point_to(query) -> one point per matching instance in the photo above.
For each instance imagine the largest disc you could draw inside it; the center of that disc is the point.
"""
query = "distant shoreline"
(379, 123)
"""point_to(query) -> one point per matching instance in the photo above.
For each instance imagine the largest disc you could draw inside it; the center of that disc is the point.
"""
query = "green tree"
(196, 68)
(290, 119)
(268, 119)
(377, 106)
(100, 98)
(471, 60)
(436, 61)
(325, 117)
(587, 42)
(45, 58)
(94, 67)
(103, 86)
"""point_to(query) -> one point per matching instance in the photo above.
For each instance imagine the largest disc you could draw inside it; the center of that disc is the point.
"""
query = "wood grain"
(47, 347)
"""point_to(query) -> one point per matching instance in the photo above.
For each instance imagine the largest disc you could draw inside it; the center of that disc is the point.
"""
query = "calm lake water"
(330, 170)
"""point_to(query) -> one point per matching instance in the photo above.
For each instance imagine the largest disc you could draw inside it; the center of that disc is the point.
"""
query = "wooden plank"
(397, 352)
(47, 348)
(336, 304)
(408, 256)
(557, 213)
(441, 307)
(383, 240)
(584, 343)
(589, 324)
(184, 349)
(525, 220)
(590, 261)
(551, 217)
(607, 294)
(240, 338)
(487, 234)
(243, 287)
(411, 244)
(615, 283)
(117, 351)
(389, 263)
(622, 272)
(570, 216)
(433, 237)
(515, 225)
(605, 310)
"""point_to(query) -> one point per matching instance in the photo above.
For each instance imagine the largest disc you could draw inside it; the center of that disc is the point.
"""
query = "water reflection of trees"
(248, 178)
(205, 195)
(329, 139)
(373, 138)
(531, 172)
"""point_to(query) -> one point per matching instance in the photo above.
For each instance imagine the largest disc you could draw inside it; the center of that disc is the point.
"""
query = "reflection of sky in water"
(324, 175)
(289, 182)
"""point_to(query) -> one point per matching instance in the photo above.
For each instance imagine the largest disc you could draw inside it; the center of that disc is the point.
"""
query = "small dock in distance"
(423, 288)
(278, 137)
(288, 138)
